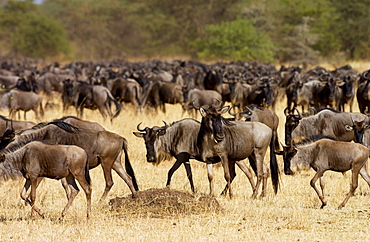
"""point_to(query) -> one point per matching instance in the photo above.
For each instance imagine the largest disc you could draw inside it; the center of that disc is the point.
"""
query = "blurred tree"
(234, 40)
(28, 34)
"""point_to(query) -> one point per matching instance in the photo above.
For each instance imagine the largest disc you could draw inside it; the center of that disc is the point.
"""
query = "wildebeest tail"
(87, 173)
(273, 165)
(129, 169)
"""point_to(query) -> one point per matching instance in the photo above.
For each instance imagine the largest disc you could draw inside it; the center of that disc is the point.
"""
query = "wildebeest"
(197, 98)
(255, 113)
(35, 160)
(25, 101)
(178, 140)
(128, 91)
(89, 96)
(235, 141)
(328, 92)
(363, 92)
(102, 147)
(158, 93)
(339, 125)
(339, 156)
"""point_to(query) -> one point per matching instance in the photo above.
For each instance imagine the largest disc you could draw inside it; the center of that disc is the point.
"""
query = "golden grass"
(294, 214)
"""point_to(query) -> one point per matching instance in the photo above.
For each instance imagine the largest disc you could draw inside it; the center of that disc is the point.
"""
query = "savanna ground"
(293, 214)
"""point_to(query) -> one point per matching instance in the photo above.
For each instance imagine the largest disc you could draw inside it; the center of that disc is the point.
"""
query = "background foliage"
(295, 31)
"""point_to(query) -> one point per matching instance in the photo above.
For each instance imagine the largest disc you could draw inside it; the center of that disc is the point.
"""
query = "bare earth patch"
(160, 203)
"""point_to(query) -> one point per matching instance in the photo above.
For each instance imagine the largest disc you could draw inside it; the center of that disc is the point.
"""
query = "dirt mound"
(164, 202)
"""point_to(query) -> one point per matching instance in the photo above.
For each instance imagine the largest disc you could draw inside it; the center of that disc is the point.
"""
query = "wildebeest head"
(359, 128)
(8, 136)
(291, 122)
(288, 153)
(212, 121)
(150, 135)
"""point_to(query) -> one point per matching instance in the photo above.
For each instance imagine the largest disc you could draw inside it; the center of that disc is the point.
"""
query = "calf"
(339, 156)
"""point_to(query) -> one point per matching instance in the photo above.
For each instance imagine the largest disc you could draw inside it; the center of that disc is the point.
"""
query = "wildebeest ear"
(224, 109)
(203, 112)
(348, 127)
(137, 134)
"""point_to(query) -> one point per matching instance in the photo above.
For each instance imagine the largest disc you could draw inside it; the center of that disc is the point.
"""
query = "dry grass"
(294, 214)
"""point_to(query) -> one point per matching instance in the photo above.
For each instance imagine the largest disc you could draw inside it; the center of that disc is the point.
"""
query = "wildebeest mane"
(314, 138)
(60, 124)
(18, 146)
(66, 117)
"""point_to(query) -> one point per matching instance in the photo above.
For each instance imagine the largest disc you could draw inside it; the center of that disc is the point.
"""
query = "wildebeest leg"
(266, 172)
(74, 191)
(247, 172)
(318, 175)
(232, 176)
(210, 178)
(354, 185)
(32, 199)
(260, 171)
(227, 175)
(81, 178)
(322, 185)
(102, 112)
(182, 158)
(364, 174)
(117, 166)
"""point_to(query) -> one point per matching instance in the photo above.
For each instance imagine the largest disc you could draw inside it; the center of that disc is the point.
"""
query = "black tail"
(128, 166)
(87, 173)
(273, 165)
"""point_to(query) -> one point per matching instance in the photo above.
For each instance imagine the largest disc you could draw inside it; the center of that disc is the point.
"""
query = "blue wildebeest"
(179, 140)
(255, 113)
(17, 100)
(197, 98)
(235, 141)
(339, 125)
(102, 147)
(339, 156)
(35, 160)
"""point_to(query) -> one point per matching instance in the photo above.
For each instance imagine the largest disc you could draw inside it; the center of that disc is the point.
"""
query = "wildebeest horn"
(299, 114)
(165, 124)
(286, 111)
(232, 114)
(138, 127)
(219, 103)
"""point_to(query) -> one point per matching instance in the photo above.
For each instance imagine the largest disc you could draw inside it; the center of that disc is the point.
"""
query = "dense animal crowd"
(247, 91)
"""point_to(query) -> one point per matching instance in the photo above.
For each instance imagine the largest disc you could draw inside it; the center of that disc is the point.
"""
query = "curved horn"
(219, 103)
(299, 114)
(138, 127)
(286, 111)
(232, 114)
(165, 124)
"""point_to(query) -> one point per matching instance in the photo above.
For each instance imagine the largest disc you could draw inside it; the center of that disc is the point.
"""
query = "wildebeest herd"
(318, 131)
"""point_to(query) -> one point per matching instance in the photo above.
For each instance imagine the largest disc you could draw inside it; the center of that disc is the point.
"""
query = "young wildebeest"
(234, 141)
(102, 147)
(179, 140)
(326, 154)
(20, 100)
(36, 160)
